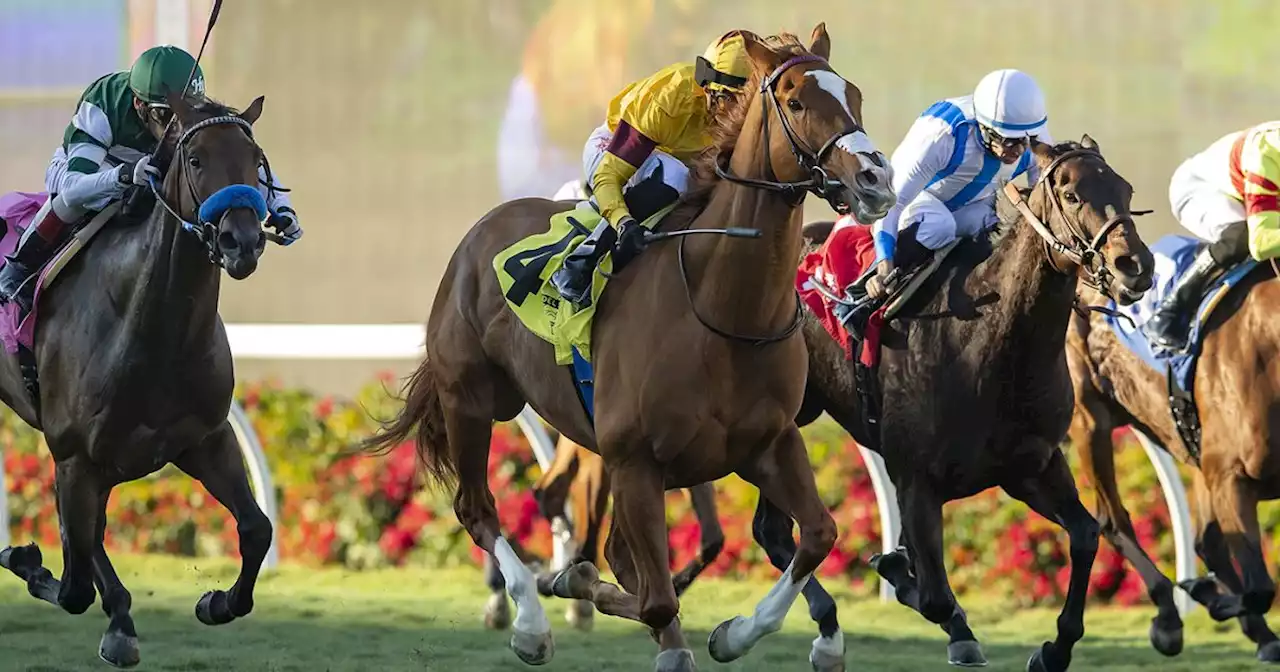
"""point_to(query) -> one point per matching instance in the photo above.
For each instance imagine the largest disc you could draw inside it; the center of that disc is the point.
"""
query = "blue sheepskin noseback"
(230, 198)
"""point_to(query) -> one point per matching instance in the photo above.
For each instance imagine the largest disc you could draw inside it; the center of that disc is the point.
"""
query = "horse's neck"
(1036, 299)
(177, 287)
(746, 286)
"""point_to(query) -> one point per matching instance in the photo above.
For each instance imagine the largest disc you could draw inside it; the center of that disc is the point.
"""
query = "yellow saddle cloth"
(524, 273)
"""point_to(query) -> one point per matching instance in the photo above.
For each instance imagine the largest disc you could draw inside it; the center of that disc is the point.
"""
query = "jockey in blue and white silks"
(953, 159)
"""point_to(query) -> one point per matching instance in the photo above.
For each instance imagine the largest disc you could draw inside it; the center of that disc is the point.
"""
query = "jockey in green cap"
(107, 147)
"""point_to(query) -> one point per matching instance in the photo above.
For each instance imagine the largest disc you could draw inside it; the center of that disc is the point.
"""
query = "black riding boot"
(1168, 327)
(573, 278)
(25, 263)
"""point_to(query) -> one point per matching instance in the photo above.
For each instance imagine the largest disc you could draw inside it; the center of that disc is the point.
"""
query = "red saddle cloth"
(838, 262)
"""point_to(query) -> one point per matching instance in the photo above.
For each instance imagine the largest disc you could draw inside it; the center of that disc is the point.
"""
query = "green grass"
(309, 619)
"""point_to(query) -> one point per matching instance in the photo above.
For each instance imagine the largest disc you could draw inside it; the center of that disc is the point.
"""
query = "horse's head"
(812, 119)
(213, 181)
(1085, 205)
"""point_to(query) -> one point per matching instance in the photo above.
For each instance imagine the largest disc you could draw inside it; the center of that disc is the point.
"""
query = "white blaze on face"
(857, 144)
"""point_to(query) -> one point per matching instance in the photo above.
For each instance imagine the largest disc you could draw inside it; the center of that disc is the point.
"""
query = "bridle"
(819, 183)
(212, 209)
(1082, 250)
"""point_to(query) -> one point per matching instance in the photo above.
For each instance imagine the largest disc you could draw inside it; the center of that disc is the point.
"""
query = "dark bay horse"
(577, 484)
(975, 390)
(1237, 385)
(700, 373)
(136, 372)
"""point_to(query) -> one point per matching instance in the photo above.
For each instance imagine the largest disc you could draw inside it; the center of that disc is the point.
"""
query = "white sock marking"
(530, 618)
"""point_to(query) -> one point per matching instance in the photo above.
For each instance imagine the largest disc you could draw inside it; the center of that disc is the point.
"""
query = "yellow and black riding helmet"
(724, 67)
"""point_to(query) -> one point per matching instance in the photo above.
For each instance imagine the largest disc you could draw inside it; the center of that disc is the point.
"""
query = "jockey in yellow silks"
(653, 128)
(1227, 195)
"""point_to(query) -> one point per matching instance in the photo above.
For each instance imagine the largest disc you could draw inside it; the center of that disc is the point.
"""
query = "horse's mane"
(1005, 210)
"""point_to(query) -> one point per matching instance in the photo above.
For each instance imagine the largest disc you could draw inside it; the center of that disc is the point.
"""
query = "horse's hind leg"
(711, 536)
(784, 476)
(1211, 546)
(771, 527)
(1235, 504)
(119, 645)
(497, 610)
(1053, 494)
(77, 489)
(1090, 434)
(219, 466)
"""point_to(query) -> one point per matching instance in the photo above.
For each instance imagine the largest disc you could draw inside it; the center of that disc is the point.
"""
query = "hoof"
(675, 660)
(1269, 652)
(497, 612)
(718, 642)
(119, 650)
(1036, 662)
(533, 649)
(966, 654)
(822, 660)
(1167, 641)
(212, 609)
(893, 564)
(581, 614)
(28, 557)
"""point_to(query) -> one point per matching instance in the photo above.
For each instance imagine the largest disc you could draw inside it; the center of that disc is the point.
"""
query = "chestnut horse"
(696, 346)
(1236, 386)
(975, 390)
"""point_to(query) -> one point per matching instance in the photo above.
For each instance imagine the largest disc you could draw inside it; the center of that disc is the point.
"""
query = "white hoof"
(828, 653)
(533, 649)
(675, 660)
(497, 612)
(718, 644)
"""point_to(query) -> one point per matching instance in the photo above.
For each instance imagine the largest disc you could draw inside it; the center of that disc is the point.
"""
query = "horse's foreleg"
(771, 527)
(119, 645)
(1090, 434)
(219, 466)
(76, 492)
(711, 535)
(1235, 504)
(784, 476)
(1053, 494)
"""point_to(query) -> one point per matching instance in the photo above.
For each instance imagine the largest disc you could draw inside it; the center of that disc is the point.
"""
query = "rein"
(211, 210)
(1082, 250)
(819, 183)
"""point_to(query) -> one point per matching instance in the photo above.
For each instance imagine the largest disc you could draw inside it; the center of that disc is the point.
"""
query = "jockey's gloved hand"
(630, 241)
(137, 172)
(876, 284)
(285, 220)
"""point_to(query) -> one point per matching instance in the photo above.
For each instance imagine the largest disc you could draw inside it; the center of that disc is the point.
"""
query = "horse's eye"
(794, 105)
(1070, 197)
(193, 161)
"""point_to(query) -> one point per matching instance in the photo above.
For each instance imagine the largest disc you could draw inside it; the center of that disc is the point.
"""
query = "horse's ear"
(1043, 152)
(1089, 143)
(765, 59)
(254, 110)
(181, 108)
(821, 45)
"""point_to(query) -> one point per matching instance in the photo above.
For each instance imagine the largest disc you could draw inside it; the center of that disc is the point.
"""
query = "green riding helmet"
(164, 69)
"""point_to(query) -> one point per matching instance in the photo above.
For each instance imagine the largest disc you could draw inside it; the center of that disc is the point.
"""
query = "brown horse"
(577, 484)
(974, 385)
(1239, 462)
(136, 372)
(696, 347)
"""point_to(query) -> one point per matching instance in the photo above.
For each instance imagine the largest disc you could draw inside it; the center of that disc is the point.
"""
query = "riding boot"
(1168, 327)
(34, 250)
(573, 278)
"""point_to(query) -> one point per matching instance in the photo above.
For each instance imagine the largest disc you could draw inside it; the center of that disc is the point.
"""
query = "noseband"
(1082, 250)
(222, 201)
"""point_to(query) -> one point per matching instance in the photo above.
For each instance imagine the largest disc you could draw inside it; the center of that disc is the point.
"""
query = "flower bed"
(360, 511)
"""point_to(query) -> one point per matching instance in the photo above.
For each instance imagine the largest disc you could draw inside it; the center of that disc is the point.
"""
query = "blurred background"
(398, 123)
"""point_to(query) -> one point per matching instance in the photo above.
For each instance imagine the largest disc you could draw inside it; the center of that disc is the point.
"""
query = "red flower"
(324, 408)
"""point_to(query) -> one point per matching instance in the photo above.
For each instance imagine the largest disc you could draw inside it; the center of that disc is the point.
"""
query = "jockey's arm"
(1260, 163)
(282, 215)
(82, 184)
(627, 151)
(922, 154)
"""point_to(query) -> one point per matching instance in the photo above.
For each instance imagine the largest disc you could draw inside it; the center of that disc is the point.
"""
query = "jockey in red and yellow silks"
(1228, 195)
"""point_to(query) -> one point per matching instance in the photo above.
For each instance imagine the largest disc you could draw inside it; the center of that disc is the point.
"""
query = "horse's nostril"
(226, 240)
(1129, 266)
(867, 179)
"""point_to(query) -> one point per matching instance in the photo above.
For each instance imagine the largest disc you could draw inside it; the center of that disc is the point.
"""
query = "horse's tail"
(421, 419)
